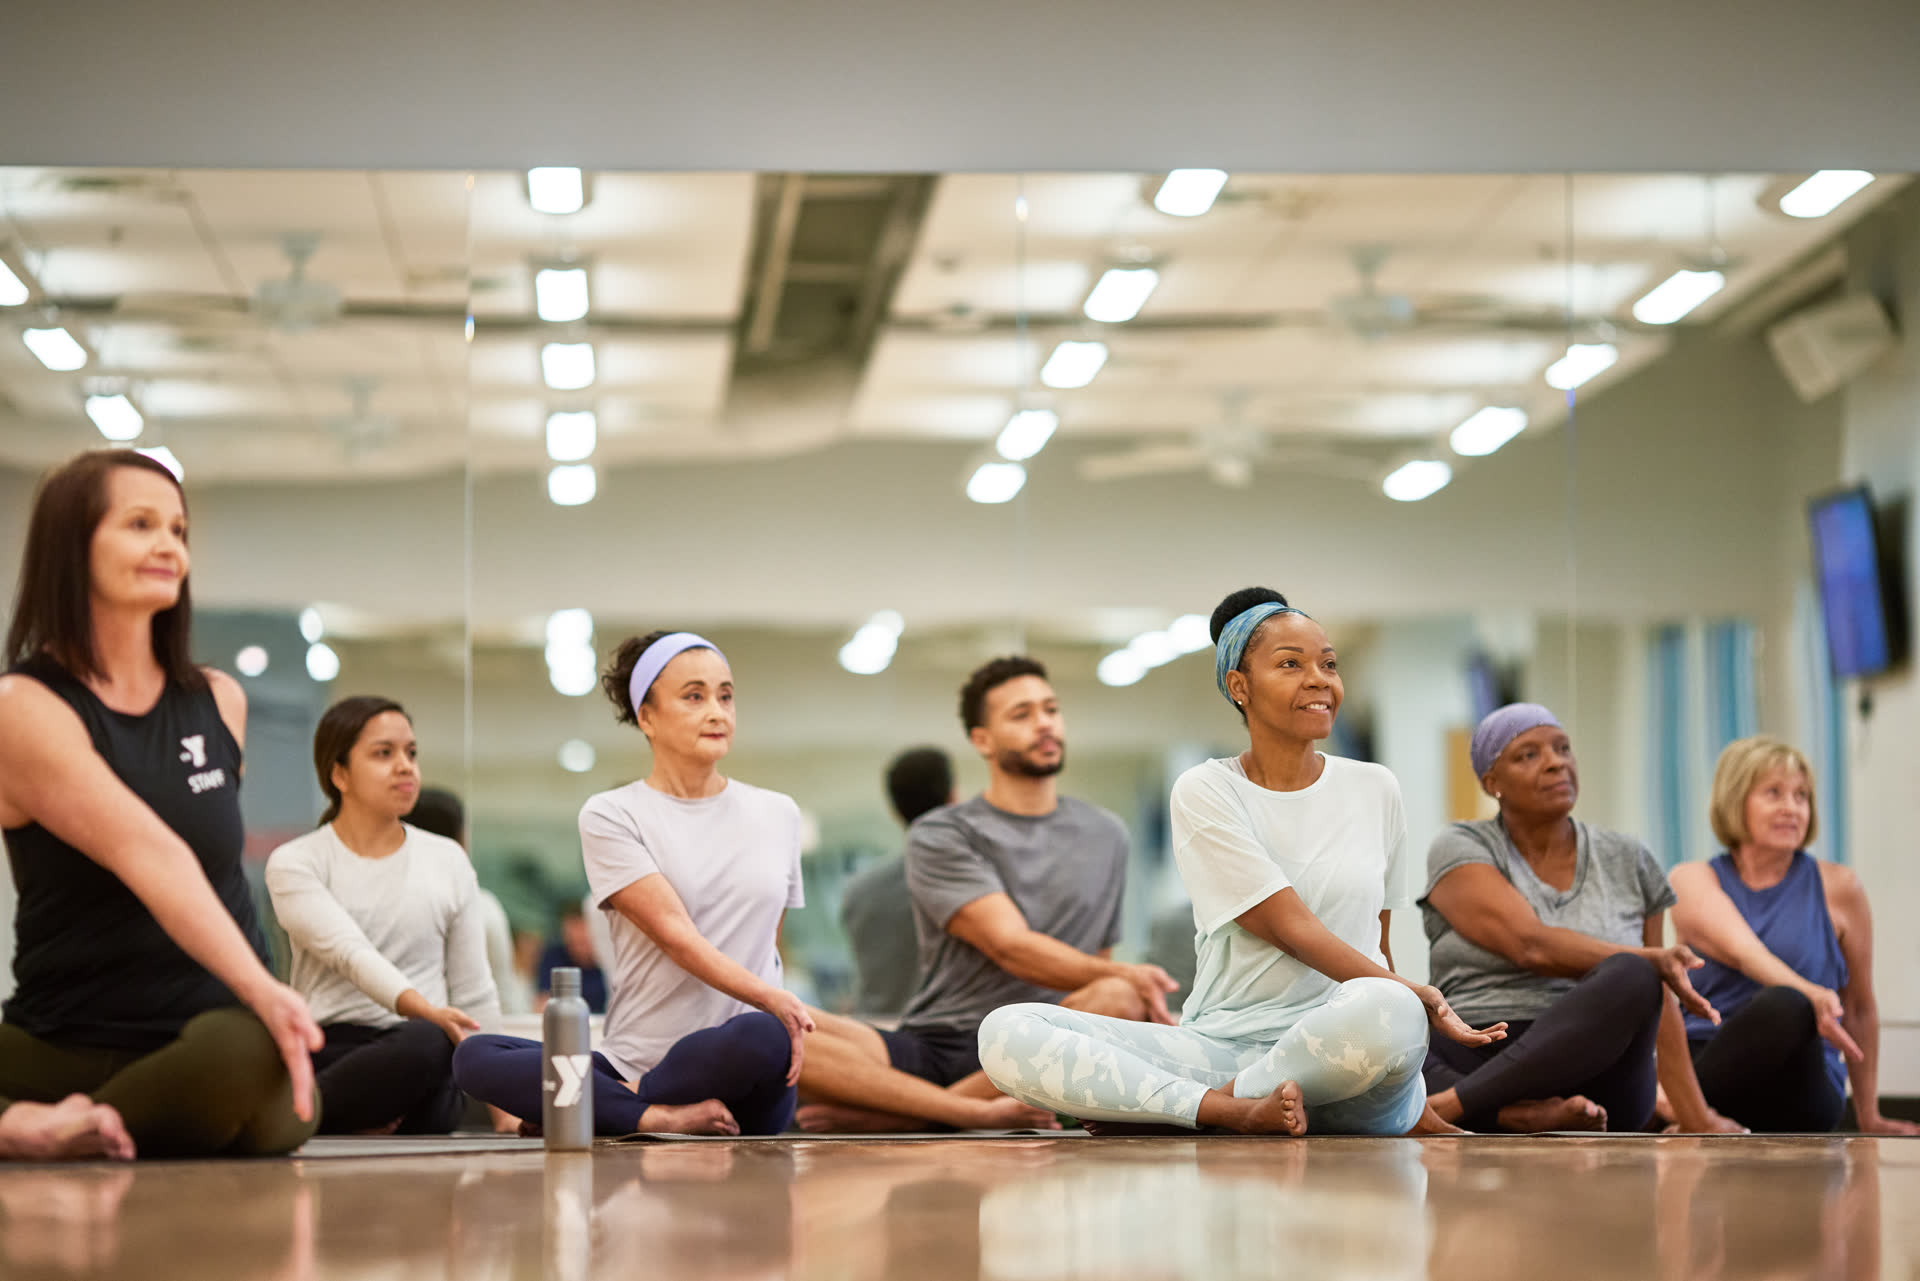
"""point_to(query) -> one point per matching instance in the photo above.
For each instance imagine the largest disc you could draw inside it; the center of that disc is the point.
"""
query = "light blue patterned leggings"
(1357, 1060)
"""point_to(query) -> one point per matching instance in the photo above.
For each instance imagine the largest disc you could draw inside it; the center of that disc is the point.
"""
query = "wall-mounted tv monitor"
(1860, 596)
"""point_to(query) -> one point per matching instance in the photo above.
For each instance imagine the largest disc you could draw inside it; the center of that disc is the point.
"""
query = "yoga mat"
(354, 1145)
(801, 1136)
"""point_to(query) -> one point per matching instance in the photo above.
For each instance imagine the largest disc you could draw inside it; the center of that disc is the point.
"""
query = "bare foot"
(73, 1129)
(1532, 1116)
(1008, 1113)
(709, 1116)
(1282, 1112)
(381, 1131)
(1431, 1124)
(837, 1118)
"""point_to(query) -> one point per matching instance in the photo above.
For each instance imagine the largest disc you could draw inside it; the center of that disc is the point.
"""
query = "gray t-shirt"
(877, 913)
(1065, 871)
(1617, 885)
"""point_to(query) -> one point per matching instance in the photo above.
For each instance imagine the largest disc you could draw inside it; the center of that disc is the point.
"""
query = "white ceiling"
(154, 270)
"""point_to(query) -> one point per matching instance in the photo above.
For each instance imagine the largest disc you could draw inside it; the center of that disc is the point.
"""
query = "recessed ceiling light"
(1120, 668)
(55, 348)
(556, 190)
(13, 290)
(996, 482)
(1487, 430)
(164, 456)
(1073, 364)
(571, 484)
(1582, 363)
(571, 436)
(252, 660)
(1823, 193)
(1422, 478)
(312, 627)
(1121, 293)
(560, 293)
(322, 663)
(1026, 434)
(567, 366)
(577, 756)
(115, 416)
(1188, 193)
(1677, 295)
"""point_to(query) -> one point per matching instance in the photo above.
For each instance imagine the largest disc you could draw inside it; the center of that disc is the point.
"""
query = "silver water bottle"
(566, 1067)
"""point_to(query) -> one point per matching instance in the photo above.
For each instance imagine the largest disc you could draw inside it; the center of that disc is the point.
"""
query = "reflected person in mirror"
(694, 872)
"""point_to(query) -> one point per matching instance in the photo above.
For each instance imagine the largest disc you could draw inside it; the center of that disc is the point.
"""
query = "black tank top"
(90, 964)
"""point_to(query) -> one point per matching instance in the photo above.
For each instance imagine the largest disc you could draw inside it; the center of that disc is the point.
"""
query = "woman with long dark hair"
(144, 1017)
(389, 945)
(694, 872)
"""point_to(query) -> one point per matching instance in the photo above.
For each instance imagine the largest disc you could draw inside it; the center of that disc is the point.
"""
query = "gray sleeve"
(944, 870)
(1656, 892)
(1454, 847)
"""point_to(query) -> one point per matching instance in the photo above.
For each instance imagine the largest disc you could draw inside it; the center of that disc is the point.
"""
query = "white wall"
(1882, 448)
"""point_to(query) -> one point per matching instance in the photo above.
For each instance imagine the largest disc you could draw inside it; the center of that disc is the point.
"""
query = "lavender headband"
(1501, 727)
(656, 656)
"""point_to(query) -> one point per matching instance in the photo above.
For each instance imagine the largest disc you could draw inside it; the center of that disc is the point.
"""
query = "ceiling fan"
(361, 431)
(1226, 452)
(289, 304)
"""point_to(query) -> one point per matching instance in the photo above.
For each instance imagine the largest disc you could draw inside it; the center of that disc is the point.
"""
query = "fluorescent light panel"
(1823, 193)
(1073, 364)
(873, 645)
(322, 663)
(567, 366)
(164, 456)
(1188, 193)
(577, 756)
(571, 436)
(1582, 363)
(996, 482)
(1120, 668)
(1121, 293)
(1411, 482)
(1487, 430)
(57, 349)
(1026, 434)
(1677, 295)
(556, 190)
(572, 484)
(13, 290)
(560, 293)
(116, 417)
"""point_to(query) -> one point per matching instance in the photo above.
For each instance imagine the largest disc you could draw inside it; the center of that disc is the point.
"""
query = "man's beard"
(1012, 762)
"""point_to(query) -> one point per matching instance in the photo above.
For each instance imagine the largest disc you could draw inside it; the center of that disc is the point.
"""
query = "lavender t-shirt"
(734, 860)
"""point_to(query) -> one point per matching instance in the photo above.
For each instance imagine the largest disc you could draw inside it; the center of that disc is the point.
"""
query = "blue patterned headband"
(1234, 636)
(656, 656)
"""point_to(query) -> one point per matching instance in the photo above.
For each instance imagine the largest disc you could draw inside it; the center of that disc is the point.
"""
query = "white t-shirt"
(1339, 843)
(734, 860)
(364, 930)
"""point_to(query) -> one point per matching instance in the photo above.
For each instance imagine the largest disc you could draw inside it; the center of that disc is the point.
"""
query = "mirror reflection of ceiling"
(310, 326)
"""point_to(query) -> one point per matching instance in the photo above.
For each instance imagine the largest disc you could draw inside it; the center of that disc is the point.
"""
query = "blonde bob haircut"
(1741, 766)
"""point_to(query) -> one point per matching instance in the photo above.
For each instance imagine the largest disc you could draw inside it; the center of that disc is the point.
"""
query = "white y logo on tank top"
(196, 750)
(196, 755)
(573, 1069)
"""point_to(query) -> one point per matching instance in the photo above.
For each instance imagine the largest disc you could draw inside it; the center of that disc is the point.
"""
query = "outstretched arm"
(51, 775)
(994, 925)
(1855, 927)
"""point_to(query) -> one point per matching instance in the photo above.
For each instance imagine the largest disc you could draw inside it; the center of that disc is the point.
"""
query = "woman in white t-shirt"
(1293, 860)
(389, 946)
(693, 872)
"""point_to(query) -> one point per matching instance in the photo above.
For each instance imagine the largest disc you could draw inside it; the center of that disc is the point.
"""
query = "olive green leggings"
(218, 1089)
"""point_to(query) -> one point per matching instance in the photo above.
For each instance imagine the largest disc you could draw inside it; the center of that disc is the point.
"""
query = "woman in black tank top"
(144, 1016)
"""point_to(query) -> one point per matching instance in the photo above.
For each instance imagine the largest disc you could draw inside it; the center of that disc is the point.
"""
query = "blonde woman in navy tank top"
(144, 1019)
(1789, 947)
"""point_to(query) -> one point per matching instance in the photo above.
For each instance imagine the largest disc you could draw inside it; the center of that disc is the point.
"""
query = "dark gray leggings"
(217, 1089)
(1766, 1067)
(1597, 1041)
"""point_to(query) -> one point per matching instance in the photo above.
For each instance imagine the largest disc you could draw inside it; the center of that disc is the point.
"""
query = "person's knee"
(1004, 1037)
(762, 1040)
(471, 1059)
(1786, 1009)
(235, 1041)
(1114, 998)
(1386, 1014)
(426, 1044)
(1635, 981)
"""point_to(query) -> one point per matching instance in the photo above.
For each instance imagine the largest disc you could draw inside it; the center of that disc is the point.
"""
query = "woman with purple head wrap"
(1556, 928)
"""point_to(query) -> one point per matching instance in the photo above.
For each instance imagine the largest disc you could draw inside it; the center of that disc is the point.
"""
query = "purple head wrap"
(1501, 727)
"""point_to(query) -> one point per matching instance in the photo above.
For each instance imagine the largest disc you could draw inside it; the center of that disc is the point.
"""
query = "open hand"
(456, 1023)
(287, 1019)
(1828, 1011)
(1451, 1025)
(792, 1013)
(1152, 983)
(1672, 965)
(1889, 1125)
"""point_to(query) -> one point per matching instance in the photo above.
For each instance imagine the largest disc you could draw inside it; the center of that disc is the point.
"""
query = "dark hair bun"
(1238, 603)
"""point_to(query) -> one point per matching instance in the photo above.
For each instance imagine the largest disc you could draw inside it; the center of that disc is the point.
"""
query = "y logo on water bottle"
(573, 1069)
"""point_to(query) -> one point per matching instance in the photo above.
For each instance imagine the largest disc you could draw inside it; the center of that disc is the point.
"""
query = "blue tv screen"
(1846, 563)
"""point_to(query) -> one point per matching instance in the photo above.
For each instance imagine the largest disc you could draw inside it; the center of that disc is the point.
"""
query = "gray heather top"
(1617, 885)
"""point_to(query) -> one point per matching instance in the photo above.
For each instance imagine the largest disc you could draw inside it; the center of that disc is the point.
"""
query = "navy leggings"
(1597, 1040)
(743, 1063)
(1766, 1067)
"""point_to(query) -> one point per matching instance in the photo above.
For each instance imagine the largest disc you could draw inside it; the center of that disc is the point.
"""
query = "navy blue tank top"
(1791, 918)
(91, 966)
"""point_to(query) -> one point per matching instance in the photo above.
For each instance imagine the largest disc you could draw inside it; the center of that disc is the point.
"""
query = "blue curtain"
(1733, 699)
(1667, 687)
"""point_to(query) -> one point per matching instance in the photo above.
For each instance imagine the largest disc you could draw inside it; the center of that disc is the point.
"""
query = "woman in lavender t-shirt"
(694, 872)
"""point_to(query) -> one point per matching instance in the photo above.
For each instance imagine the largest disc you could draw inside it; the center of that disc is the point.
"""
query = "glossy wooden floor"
(956, 1210)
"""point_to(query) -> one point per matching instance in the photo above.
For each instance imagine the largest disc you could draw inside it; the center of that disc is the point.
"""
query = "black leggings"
(1597, 1041)
(1766, 1067)
(369, 1077)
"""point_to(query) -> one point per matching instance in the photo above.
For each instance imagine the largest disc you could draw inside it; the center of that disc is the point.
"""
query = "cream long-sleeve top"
(364, 930)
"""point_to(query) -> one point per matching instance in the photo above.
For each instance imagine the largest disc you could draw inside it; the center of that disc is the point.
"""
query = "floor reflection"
(1008, 1210)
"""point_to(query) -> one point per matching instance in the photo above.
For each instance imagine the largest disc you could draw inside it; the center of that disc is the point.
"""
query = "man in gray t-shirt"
(1016, 897)
(876, 911)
